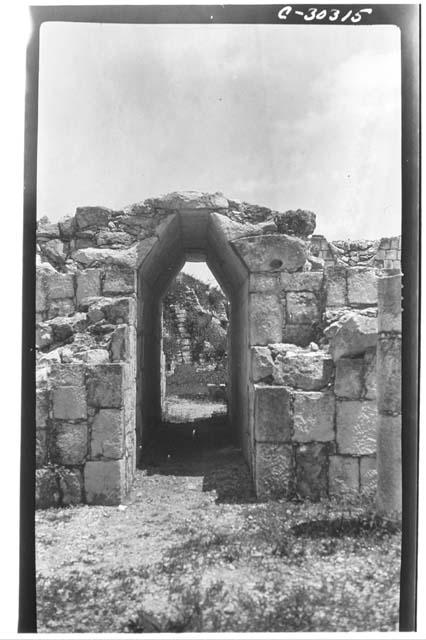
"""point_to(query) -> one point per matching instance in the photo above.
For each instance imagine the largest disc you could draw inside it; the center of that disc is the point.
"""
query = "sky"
(283, 116)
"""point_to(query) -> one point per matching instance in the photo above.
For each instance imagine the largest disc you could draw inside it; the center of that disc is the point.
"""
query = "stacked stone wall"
(382, 254)
(304, 361)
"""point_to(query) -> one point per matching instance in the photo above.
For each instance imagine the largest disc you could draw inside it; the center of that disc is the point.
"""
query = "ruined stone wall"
(382, 254)
(303, 341)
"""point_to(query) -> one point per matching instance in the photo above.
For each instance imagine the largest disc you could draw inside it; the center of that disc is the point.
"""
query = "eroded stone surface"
(104, 481)
(266, 319)
(273, 414)
(71, 486)
(349, 378)
(261, 363)
(274, 470)
(362, 286)
(47, 492)
(308, 370)
(311, 471)
(352, 334)
(107, 434)
(105, 385)
(313, 416)
(343, 475)
(389, 379)
(356, 426)
(271, 252)
(69, 443)
(69, 403)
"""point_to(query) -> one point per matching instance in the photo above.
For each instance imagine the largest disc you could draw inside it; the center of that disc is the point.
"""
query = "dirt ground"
(192, 550)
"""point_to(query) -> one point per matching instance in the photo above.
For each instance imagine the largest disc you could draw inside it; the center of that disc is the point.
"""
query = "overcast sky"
(284, 116)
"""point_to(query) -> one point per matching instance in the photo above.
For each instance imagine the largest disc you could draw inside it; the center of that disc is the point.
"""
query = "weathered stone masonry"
(303, 339)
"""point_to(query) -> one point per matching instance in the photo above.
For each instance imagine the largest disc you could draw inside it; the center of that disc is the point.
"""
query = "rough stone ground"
(184, 410)
(191, 550)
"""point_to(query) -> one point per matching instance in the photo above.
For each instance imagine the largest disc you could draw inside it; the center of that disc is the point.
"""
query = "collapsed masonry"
(314, 361)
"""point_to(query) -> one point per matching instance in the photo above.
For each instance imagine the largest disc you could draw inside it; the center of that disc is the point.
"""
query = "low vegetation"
(193, 551)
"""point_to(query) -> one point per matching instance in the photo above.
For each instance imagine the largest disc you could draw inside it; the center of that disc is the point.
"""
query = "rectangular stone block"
(41, 297)
(395, 242)
(71, 484)
(349, 377)
(261, 363)
(299, 334)
(308, 370)
(311, 471)
(88, 285)
(356, 426)
(105, 481)
(368, 475)
(260, 282)
(362, 286)
(389, 374)
(108, 434)
(69, 403)
(389, 303)
(273, 470)
(67, 375)
(47, 492)
(335, 278)
(59, 285)
(42, 407)
(389, 471)
(313, 416)
(60, 308)
(370, 384)
(272, 414)
(302, 281)
(69, 443)
(343, 475)
(118, 280)
(265, 319)
(105, 385)
(41, 447)
(302, 307)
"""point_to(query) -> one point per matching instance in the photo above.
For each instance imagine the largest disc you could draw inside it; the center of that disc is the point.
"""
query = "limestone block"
(309, 370)
(92, 217)
(59, 285)
(42, 407)
(356, 426)
(69, 445)
(298, 334)
(362, 286)
(188, 200)
(108, 434)
(47, 229)
(260, 282)
(271, 252)
(389, 303)
(41, 447)
(299, 222)
(55, 251)
(313, 416)
(368, 475)
(67, 227)
(88, 285)
(104, 481)
(47, 492)
(370, 383)
(349, 375)
(272, 414)
(265, 319)
(98, 256)
(311, 471)
(352, 334)
(62, 307)
(302, 281)
(96, 356)
(63, 328)
(69, 403)
(44, 336)
(105, 385)
(67, 375)
(71, 486)
(389, 478)
(273, 470)
(336, 286)
(261, 363)
(343, 475)
(389, 374)
(302, 307)
(41, 295)
(118, 280)
(106, 237)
